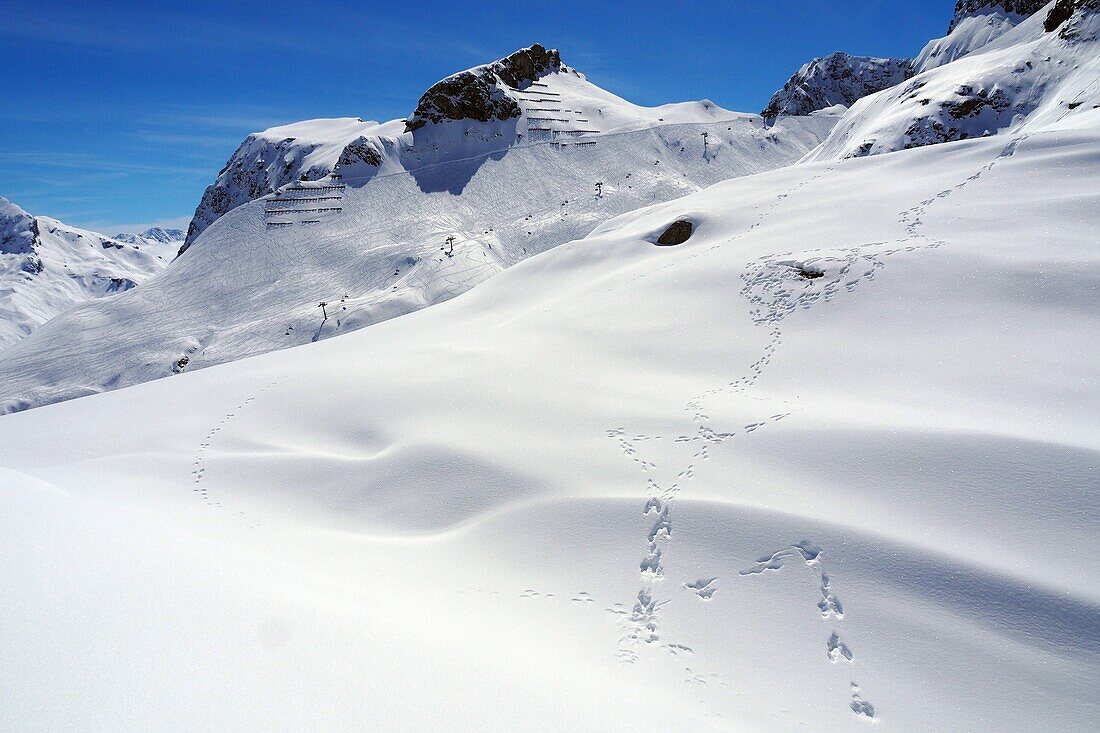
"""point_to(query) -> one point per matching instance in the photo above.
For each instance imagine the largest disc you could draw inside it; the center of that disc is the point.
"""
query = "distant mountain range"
(46, 267)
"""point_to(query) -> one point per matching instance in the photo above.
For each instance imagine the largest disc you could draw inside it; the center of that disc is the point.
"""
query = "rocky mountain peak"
(153, 234)
(16, 229)
(838, 78)
(481, 93)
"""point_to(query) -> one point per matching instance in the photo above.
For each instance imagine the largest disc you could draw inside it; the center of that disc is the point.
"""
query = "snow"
(46, 267)
(163, 243)
(561, 105)
(885, 474)
(969, 34)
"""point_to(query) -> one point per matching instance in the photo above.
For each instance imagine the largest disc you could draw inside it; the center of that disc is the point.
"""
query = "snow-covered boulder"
(837, 79)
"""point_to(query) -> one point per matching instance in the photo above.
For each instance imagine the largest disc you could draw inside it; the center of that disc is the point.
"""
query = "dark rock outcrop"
(360, 152)
(678, 232)
(477, 94)
(258, 167)
(839, 78)
(1073, 11)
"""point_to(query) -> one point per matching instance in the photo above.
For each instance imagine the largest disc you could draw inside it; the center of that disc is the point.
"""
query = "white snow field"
(368, 236)
(830, 464)
(46, 267)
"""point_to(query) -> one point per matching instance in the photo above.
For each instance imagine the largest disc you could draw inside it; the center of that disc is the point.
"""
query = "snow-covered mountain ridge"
(837, 79)
(842, 79)
(404, 220)
(1040, 73)
(1015, 10)
(46, 267)
(527, 97)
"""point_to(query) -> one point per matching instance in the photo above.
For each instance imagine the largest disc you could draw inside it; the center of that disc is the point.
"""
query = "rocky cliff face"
(266, 161)
(839, 78)
(17, 230)
(482, 93)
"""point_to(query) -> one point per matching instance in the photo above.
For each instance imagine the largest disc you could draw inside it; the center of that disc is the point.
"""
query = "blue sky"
(116, 115)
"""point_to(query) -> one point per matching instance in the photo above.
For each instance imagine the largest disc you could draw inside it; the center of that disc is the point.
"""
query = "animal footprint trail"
(641, 625)
(828, 605)
(198, 472)
(705, 588)
(775, 288)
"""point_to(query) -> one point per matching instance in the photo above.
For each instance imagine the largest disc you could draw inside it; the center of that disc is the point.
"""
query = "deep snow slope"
(372, 242)
(47, 267)
(1043, 72)
(831, 463)
(975, 24)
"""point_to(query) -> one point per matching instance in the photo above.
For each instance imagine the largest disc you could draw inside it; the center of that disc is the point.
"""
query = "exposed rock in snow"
(677, 232)
(484, 92)
(837, 79)
(47, 267)
(1031, 77)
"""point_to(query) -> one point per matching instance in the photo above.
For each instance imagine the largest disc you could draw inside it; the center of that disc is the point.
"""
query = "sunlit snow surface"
(615, 487)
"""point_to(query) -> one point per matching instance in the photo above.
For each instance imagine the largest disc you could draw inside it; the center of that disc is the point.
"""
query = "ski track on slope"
(776, 287)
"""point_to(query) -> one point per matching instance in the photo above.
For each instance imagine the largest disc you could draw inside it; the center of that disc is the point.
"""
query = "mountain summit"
(1015, 10)
(485, 92)
(529, 96)
(837, 79)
